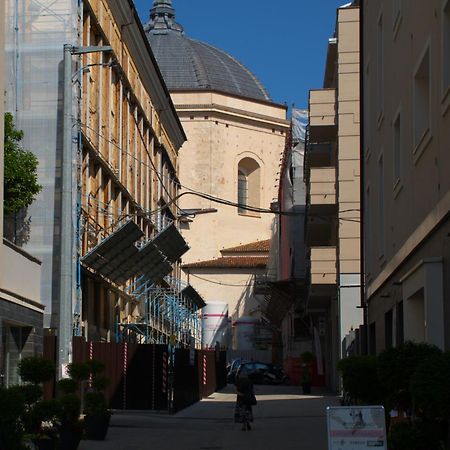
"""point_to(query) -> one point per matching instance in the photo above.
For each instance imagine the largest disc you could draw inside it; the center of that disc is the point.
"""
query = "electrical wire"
(192, 191)
(221, 284)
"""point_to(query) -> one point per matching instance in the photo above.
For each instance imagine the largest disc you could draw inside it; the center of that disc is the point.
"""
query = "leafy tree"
(20, 177)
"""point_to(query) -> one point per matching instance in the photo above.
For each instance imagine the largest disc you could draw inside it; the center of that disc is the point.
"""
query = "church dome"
(189, 64)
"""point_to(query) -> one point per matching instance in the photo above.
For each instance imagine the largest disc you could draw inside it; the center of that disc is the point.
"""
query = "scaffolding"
(169, 315)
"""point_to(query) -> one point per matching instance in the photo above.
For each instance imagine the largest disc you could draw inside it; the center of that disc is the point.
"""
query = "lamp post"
(67, 232)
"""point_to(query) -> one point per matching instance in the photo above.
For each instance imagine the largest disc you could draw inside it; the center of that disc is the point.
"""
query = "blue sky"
(283, 42)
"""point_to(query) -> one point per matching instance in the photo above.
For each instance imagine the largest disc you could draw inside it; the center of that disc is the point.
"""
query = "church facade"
(228, 167)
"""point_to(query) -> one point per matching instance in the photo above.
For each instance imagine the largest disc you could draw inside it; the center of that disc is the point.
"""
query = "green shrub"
(70, 408)
(67, 386)
(95, 404)
(36, 370)
(32, 393)
(430, 387)
(414, 436)
(12, 406)
(78, 371)
(397, 365)
(360, 379)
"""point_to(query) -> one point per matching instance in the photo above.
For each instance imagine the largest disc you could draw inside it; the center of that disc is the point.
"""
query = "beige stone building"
(236, 137)
(21, 312)
(332, 162)
(406, 163)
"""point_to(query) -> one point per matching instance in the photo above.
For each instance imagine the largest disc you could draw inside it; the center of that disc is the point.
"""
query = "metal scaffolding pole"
(67, 236)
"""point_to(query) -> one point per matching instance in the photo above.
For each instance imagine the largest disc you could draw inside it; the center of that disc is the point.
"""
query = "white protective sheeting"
(36, 31)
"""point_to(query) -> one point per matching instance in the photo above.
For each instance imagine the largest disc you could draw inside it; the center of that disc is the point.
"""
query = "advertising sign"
(356, 428)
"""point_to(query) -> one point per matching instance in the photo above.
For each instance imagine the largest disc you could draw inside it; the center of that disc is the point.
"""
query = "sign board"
(356, 428)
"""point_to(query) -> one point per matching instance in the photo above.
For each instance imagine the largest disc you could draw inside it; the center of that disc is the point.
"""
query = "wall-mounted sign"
(356, 428)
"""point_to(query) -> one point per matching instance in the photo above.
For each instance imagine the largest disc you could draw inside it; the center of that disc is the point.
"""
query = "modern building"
(332, 175)
(406, 63)
(236, 137)
(84, 86)
(21, 312)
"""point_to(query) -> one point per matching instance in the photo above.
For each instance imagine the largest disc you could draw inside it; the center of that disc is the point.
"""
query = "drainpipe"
(362, 177)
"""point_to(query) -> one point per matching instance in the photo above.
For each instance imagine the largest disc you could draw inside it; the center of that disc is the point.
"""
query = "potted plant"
(39, 418)
(71, 394)
(43, 424)
(71, 426)
(307, 358)
(97, 415)
(12, 401)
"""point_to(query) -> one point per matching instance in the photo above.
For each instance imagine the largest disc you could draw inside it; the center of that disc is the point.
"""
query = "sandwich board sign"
(356, 428)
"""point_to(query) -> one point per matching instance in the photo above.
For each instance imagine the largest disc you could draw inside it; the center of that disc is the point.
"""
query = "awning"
(171, 243)
(147, 259)
(194, 296)
(118, 258)
(281, 297)
(109, 256)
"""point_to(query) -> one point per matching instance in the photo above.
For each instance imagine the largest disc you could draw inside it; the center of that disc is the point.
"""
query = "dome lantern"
(162, 18)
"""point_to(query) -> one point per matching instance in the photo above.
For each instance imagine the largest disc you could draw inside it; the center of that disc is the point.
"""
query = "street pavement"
(283, 420)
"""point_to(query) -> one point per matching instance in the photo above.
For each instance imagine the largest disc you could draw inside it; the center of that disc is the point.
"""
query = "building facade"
(95, 109)
(21, 312)
(406, 162)
(332, 174)
(236, 137)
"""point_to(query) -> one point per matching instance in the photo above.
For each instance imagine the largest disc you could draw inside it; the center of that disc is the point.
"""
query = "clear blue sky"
(283, 42)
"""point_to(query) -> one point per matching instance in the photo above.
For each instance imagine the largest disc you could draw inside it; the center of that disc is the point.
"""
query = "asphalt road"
(284, 420)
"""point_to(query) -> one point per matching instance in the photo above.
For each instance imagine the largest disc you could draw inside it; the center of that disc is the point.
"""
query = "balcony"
(320, 155)
(20, 274)
(322, 115)
(322, 187)
(323, 266)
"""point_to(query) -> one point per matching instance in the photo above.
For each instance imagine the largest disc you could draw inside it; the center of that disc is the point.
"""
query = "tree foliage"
(20, 171)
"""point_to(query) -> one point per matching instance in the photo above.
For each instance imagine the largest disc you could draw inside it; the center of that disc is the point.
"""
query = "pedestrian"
(245, 399)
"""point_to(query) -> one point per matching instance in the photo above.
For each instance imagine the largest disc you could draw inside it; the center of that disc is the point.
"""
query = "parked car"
(232, 369)
(261, 373)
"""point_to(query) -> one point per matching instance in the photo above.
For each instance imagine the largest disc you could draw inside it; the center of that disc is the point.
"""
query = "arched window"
(242, 191)
(249, 184)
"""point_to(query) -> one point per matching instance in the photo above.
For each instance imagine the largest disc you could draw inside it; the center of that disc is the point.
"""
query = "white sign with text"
(356, 428)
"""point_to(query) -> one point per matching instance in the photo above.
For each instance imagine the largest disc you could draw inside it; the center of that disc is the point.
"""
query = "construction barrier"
(151, 377)
(137, 372)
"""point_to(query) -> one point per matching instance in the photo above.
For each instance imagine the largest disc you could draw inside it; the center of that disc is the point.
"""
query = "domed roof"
(189, 64)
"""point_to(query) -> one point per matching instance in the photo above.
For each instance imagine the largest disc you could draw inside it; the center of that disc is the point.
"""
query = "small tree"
(20, 177)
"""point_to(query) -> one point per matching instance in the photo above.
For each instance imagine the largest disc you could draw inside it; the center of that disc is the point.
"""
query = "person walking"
(245, 399)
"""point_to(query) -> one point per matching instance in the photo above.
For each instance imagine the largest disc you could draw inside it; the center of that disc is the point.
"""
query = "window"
(399, 327)
(242, 191)
(397, 149)
(368, 232)
(422, 99)
(381, 234)
(380, 67)
(249, 185)
(372, 339)
(388, 329)
(446, 46)
(367, 122)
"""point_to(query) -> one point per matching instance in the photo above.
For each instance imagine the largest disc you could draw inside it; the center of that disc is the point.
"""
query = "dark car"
(232, 370)
(262, 373)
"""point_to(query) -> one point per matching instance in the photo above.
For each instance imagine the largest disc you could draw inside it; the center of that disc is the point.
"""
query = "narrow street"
(284, 420)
